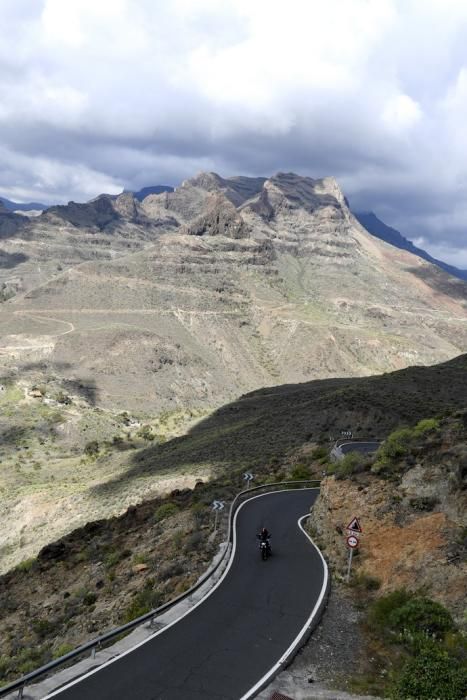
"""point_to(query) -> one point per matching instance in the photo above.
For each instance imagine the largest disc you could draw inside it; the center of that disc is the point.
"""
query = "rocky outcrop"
(413, 527)
(220, 219)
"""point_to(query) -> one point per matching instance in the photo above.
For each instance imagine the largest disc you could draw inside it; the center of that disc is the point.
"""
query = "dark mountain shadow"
(86, 388)
(11, 223)
(441, 282)
(270, 423)
(13, 434)
(10, 260)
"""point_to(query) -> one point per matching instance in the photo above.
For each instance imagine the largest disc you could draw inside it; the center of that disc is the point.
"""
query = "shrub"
(170, 571)
(431, 674)
(62, 650)
(146, 600)
(91, 449)
(426, 425)
(112, 558)
(26, 565)
(299, 472)
(352, 463)
(140, 558)
(320, 453)
(43, 627)
(381, 609)
(89, 598)
(63, 398)
(421, 616)
(146, 433)
(424, 503)
(164, 511)
(399, 443)
(194, 541)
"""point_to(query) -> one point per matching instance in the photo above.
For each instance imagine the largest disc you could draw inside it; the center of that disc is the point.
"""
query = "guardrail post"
(20, 692)
(93, 653)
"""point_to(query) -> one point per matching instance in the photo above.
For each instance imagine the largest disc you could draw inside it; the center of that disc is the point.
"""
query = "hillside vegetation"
(65, 464)
(111, 570)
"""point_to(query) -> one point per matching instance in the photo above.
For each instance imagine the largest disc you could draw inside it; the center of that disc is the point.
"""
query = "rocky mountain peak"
(127, 205)
(294, 191)
(206, 181)
(220, 218)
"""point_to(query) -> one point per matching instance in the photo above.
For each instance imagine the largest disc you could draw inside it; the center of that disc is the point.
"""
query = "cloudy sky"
(98, 95)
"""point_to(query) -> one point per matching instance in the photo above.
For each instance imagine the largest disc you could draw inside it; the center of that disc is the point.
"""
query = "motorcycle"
(265, 549)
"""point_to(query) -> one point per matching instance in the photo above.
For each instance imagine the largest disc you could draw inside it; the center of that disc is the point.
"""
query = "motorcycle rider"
(264, 536)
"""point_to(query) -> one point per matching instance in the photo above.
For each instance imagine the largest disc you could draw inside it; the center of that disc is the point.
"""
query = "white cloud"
(137, 92)
(450, 254)
(401, 113)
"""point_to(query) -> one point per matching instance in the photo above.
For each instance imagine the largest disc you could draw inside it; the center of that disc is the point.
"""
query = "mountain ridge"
(219, 287)
(378, 228)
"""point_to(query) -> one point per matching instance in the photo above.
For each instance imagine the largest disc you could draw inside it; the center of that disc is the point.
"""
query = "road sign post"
(354, 529)
(347, 578)
(248, 477)
(217, 506)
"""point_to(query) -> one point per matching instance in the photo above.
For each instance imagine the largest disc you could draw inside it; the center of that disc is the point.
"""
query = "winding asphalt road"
(223, 647)
(363, 447)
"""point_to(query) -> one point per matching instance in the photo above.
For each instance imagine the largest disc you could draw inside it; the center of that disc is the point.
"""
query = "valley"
(132, 321)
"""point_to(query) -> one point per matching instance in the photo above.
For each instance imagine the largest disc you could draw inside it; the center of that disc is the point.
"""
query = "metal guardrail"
(95, 644)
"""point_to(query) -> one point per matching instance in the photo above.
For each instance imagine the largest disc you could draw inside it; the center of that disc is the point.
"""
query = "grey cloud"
(151, 96)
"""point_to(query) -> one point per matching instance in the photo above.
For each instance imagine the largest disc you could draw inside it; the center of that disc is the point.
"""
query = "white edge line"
(54, 693)
(260, 684)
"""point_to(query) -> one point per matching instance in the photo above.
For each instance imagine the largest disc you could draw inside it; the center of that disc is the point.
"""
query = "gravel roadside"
(335, 651)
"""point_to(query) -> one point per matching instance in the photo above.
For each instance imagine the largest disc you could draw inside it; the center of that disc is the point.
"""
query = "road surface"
(223, 647)
(363, 447)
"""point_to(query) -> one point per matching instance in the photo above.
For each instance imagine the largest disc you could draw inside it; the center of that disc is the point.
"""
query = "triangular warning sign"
(354, 526)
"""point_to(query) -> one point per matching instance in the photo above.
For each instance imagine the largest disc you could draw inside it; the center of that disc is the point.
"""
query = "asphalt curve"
(225, 645)
(363, 447)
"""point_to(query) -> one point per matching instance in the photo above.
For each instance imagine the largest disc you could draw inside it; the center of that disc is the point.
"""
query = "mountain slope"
(227, 285)
(379, 229)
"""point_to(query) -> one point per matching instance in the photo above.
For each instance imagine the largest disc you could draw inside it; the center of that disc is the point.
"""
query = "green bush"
(26, 565)
(426, 425)
(146, 600)
(164, 511)
(381, 610)
(398, 444)
(112, 558)
(140, 558)
(43, 627)
(146, 433)
(424, 503)
(89, 598)
(320, 453)
(62, 650)
(421, 616)
(300, 472)
(91, 449)
(352, 463)
(431, 674)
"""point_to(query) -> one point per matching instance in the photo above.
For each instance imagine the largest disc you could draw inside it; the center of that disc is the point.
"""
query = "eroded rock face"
(220, 219)
(413, 531)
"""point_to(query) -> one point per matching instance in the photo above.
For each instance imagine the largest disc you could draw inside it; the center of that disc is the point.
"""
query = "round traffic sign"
(352, 541)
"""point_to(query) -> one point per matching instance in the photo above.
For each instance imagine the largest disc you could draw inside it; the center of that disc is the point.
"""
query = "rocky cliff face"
(238, 282)
(413, 522)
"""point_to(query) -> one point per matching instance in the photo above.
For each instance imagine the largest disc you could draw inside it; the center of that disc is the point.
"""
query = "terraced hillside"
(190, 298)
